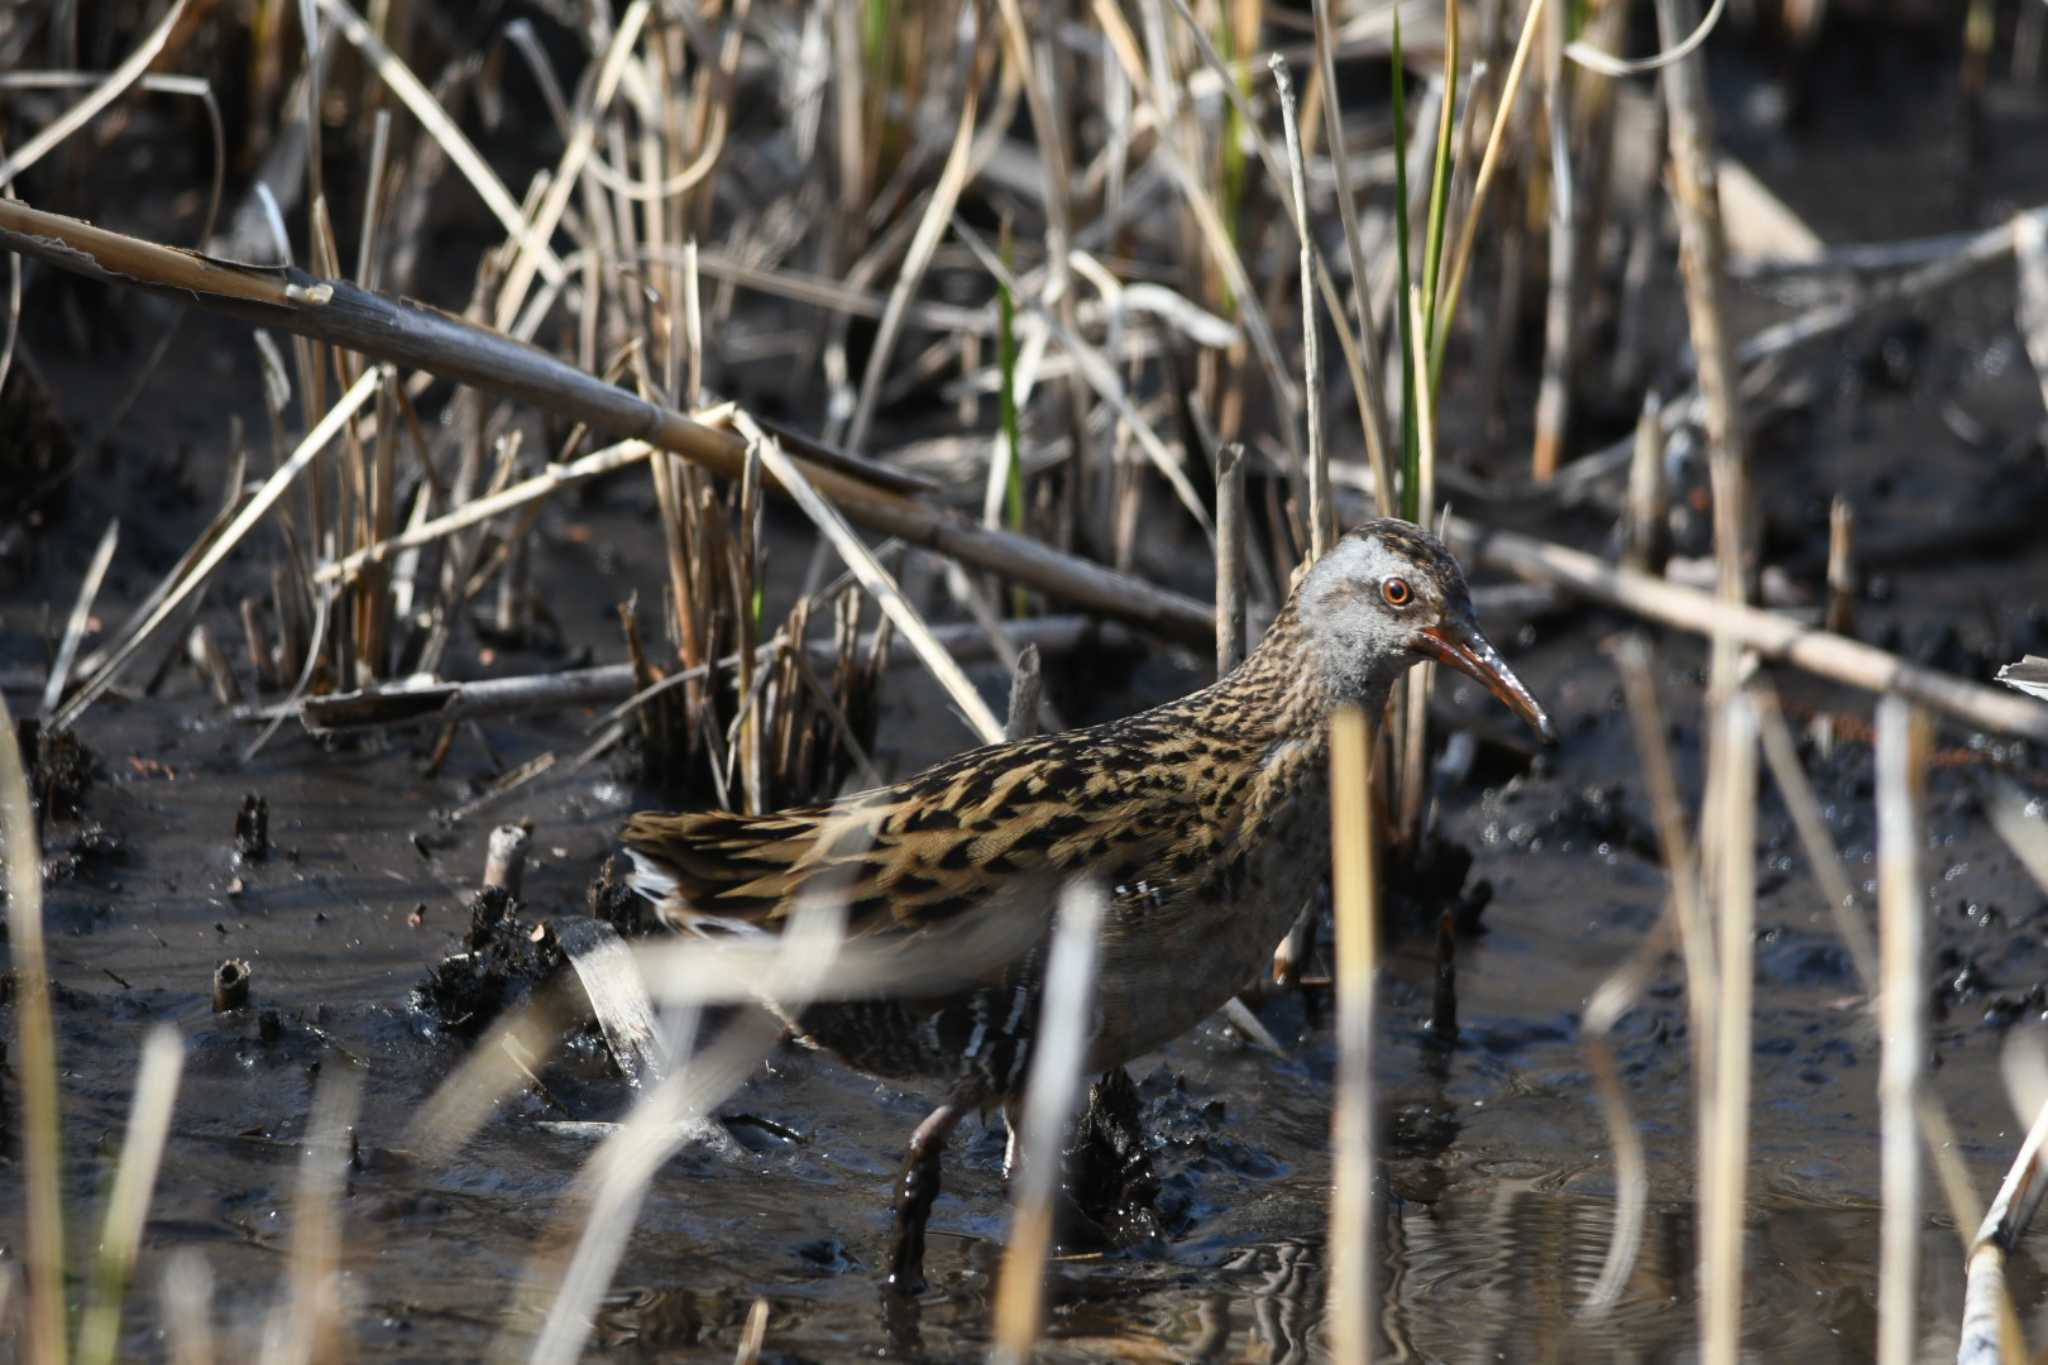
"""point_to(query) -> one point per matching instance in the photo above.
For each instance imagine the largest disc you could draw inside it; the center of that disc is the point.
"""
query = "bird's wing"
(995, 828)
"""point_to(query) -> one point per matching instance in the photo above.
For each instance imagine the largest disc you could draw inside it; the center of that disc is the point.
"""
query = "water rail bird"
(1205, 819)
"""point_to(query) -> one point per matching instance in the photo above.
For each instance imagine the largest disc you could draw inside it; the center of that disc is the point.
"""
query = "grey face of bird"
(1389, 595)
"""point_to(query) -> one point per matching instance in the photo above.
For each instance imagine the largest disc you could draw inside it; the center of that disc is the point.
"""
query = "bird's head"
(1389, 595)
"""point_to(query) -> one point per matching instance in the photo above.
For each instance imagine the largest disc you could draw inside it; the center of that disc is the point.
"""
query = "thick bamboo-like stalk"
(421, 338)
(1355, 891)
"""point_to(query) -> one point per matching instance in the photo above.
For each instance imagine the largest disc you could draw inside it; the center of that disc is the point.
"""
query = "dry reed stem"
(36, 1058)
(1359, 359)
(1991, 1332)
(1355, 892)
(1554, 388)
(1371, 398)
(186, 1293)
(1322, 507)
(142, 1150)
(1725, 1124)
(1703, 255)
(1773, 637)
(1902, 739)
(1489, 163)
(1050, 1091)
(1230, 557)
(416, 337)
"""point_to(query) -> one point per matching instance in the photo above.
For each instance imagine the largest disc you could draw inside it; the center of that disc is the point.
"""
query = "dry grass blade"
(36, 1054)
(877, 581)
(459, 149)
(482, 509)
(81, 113)
(1355, 891)
(311, 1324)
(615, 1181)
(81, 614)
(1056, 1058)
(500, 1062)
(1902, 738)
(273, 488)
(142, 1150)
(930, 229)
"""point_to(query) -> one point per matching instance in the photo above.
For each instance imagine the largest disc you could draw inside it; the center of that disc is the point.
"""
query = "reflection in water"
(1502, 1275)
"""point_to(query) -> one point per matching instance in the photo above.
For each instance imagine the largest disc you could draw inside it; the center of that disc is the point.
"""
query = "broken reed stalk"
(1703, 252)
(419, 338)
(142, 1150)
(1355, 893)
(36, 1065)
(1723, 1179)
(1991, 1333)
(1774, 637)
(1322, 506)
(1902, 742)
(1050, 1092)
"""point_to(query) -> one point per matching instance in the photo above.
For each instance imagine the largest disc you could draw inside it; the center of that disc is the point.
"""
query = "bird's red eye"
(1397, 592)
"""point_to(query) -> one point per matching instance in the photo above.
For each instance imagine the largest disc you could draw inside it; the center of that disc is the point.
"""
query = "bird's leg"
(915, 1194)
(1295, 948)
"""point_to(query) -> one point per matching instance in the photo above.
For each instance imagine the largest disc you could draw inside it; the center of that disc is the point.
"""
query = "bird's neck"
(1284, 691)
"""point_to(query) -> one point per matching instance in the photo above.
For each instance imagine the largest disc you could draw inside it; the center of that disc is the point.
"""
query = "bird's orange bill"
(1465, 649)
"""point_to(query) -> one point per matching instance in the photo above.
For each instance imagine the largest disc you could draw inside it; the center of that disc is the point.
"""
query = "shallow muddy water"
(1496, 1188)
